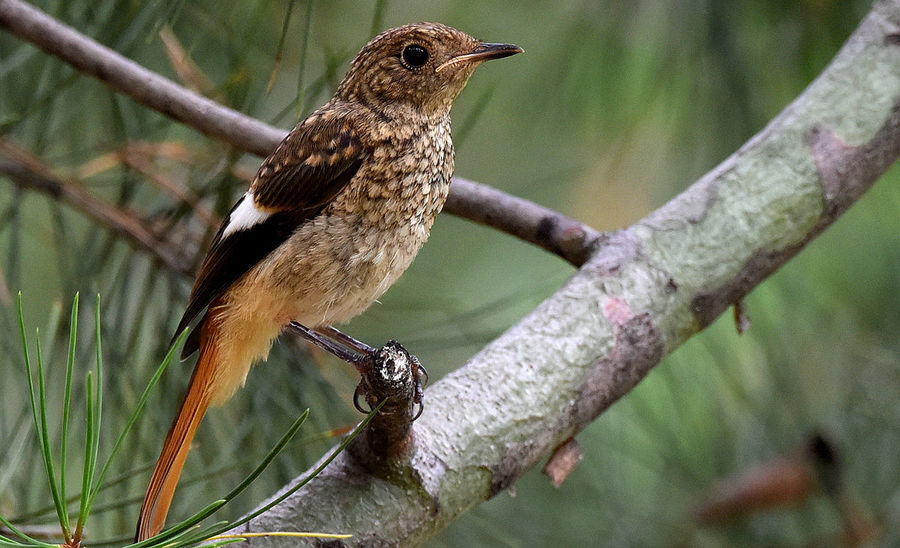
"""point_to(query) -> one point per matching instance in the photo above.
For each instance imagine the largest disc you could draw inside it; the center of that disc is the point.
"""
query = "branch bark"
(251, 135)
(641, 294)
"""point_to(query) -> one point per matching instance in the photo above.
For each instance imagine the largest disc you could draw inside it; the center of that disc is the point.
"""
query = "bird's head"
(423, 66)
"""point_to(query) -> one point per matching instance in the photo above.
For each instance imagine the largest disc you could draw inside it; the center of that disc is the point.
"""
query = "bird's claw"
(420, 376)
(356, 395)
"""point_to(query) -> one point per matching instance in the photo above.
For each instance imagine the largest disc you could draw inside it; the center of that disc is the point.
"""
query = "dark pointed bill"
(485, 51)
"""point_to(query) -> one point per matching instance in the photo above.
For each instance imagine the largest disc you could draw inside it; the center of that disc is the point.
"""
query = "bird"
(334, 215)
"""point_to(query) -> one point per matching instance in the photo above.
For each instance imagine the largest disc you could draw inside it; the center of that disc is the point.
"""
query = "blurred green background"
(614, 109)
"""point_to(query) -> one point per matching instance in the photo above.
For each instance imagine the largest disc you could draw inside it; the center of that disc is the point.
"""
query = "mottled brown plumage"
(333, 217)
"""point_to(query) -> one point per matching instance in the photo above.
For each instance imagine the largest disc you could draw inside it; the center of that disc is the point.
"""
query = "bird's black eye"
(414, 55)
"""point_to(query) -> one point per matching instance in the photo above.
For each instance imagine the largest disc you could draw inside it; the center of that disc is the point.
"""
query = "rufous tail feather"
(152, 517)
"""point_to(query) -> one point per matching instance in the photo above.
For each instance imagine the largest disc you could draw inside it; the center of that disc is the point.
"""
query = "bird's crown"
(423, 66)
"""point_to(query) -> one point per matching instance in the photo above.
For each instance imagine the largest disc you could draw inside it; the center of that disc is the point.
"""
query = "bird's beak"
(483, 52)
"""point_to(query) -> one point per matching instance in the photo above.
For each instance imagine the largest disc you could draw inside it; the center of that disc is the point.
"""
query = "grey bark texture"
(642, 292)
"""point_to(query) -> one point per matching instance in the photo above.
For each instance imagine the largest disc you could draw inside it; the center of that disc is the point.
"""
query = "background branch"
(29, 172)
(553, 231)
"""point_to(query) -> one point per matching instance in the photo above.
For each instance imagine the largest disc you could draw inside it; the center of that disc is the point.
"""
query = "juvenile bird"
(333, 217)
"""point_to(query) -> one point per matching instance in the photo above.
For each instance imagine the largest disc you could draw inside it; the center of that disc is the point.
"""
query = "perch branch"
(251, 135)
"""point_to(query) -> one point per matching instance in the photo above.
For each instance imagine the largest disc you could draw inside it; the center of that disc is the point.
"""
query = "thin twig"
(563, 461)
(188, 72)
(140, 156)
(29, 172)
(143, 163)
(144, 86)
(548, 229)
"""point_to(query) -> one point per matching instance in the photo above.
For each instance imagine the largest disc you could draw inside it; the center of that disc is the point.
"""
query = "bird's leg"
(420, 378)
(359, 356)
(345, 339)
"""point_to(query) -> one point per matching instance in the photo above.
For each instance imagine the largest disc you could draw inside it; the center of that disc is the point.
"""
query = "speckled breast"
(348, 257)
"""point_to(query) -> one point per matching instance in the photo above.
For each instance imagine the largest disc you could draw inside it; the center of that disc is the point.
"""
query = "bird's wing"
(294, 184)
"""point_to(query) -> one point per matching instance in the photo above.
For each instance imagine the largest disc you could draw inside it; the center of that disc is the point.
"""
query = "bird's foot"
(391, 367)
(384, 372)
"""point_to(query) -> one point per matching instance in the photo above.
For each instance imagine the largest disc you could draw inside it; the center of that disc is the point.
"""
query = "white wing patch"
(245, 215)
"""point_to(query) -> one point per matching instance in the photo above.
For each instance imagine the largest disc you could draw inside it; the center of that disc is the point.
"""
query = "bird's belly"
(329, 273)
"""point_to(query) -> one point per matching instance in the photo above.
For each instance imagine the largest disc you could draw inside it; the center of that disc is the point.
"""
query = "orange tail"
(159, 495)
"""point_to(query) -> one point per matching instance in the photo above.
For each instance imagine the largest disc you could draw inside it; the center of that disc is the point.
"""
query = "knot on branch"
(395, 378)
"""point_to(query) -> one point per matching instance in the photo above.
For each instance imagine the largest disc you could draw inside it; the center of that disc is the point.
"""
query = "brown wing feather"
(307, 170)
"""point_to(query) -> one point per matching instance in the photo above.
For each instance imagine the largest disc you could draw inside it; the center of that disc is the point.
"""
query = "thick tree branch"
(644, 292)
(519, 217)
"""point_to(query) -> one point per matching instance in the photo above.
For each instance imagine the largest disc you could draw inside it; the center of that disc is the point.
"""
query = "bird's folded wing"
(307, 170)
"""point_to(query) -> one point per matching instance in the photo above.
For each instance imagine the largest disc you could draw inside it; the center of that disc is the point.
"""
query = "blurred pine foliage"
(615, 107)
